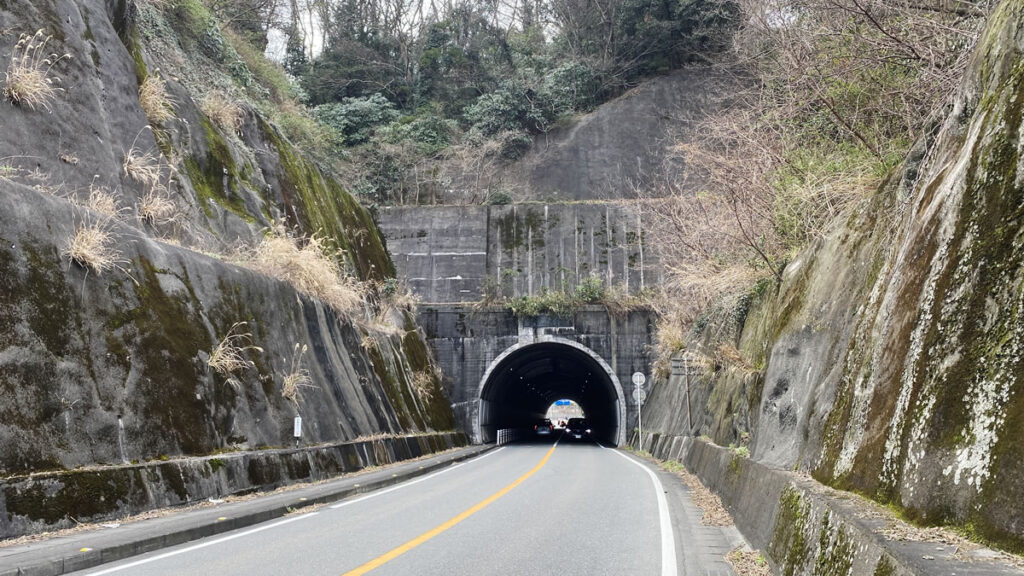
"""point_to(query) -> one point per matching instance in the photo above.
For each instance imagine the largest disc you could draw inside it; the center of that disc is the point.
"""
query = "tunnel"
(521, 385)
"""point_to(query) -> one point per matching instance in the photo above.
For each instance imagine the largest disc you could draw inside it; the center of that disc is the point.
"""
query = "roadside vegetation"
(406, 98)
(29, 80)
(821, 100)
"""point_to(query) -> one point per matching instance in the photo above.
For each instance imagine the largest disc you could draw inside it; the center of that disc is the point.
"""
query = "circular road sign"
(639, 378)
(639, 395)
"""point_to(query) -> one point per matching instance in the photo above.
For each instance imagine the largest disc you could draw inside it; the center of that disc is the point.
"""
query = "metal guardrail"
(507, 435)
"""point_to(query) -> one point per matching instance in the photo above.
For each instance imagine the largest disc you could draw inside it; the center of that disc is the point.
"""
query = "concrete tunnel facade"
(523, 381)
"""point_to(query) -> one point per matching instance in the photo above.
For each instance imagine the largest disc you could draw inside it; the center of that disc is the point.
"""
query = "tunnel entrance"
(523, 382)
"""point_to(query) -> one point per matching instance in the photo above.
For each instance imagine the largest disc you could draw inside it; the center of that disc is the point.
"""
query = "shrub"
(269, 75)
(498, 198)
(511, 108)
(514, 145)
(356, 118)
(572, 86)
(431, 133)
(590, 289)
(28, 81)
(155, 102)
(557, 303)
(306, 132)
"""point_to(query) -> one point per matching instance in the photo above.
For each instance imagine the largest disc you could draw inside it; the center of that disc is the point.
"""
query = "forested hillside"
(408, 95)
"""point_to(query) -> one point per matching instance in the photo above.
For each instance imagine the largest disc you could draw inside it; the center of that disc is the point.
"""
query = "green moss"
(235, 306)
(171, 335)
(52, 315)
(77, 494)
(735, 468)
(439, 412)
(216, 464)
(788, 547)
(321, 205)
(216, 178)
(390, 385)
(835, 553)
(885, 567)
(173, 479)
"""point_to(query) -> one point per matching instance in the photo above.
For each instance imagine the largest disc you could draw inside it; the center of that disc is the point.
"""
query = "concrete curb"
(36, 562)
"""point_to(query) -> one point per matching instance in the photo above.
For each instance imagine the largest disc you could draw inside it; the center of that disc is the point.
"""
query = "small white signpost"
(639, 395)
(298, 429)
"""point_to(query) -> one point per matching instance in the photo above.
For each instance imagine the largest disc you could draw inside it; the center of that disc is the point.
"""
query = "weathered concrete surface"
(623, 146)
(53, 500)
(82, 550)
(467, 341)
(891, 352)
(805, 528)
(451, 253)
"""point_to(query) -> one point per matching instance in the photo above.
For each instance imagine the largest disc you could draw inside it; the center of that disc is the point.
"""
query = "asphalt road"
(537, 509)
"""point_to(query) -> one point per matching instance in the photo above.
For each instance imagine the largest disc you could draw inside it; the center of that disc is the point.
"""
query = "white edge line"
(376, 493)
(280, 522)
(668, 541)
(201, 545)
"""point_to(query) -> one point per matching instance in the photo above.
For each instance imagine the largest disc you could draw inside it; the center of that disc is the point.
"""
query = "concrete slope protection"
(888, 360)
(520, 509)
(110, 368)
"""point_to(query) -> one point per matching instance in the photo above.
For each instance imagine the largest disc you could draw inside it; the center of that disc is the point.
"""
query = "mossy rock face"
(171, 335)
(321, 206)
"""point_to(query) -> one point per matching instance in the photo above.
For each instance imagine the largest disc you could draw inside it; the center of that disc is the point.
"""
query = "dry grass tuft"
(369, 342)
(40, 182)
(27, 81)
(8, 171)
(156, 208)
(155, 102)
(312, 268)
(93, 248)
(423, 385)
(102, 201)
(297, 378)
(223, 111)
(228, 356)
(748, 562)
(143, 167)
(714, 513)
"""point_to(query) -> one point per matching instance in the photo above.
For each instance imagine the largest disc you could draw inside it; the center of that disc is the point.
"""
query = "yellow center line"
(395, 553)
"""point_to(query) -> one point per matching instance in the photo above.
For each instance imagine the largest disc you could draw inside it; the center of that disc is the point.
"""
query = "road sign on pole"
(639, 395)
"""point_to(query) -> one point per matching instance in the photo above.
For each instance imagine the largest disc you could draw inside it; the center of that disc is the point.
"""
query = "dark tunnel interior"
(521, 387)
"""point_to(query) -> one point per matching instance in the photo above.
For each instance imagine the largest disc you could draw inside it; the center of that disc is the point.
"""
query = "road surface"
(549, 508)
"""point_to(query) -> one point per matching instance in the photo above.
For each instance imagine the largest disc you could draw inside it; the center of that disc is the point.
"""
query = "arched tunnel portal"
(521, 384)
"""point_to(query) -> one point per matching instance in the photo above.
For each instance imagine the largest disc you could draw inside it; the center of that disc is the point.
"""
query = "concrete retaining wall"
(452, 253)
(805, 528)
(47, 501)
